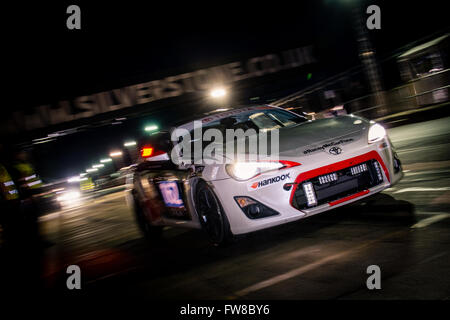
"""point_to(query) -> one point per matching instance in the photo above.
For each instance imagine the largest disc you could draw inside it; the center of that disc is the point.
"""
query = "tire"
(149, 231)
(211, 215)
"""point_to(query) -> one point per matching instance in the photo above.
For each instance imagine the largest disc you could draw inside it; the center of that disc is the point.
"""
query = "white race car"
(322, 164)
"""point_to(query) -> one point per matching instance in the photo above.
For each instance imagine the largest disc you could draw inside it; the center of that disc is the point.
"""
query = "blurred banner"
(142, 93)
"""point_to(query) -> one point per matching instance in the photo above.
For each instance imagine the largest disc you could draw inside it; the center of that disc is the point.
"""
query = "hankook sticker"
(267, 182)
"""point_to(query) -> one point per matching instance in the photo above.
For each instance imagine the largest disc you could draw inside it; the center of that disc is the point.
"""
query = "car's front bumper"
(281, 199)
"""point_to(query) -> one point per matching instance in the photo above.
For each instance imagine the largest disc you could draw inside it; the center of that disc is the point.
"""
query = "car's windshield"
(260, 120)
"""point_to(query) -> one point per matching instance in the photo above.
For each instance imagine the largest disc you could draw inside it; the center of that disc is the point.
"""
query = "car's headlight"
(246, 170)
(376, 133)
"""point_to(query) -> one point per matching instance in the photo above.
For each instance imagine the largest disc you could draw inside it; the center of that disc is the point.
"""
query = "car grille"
(339, 184)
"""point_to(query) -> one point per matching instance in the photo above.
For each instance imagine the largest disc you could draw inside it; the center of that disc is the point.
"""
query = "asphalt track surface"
(403, 230)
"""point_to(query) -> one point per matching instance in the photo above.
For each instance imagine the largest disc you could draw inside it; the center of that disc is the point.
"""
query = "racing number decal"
(171, 194)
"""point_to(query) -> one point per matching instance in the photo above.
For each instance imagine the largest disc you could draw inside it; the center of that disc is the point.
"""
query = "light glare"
(247, 170)
(151, 128)
(115, 154)
(376, 133)
(218, 92)
(73, 179)
(129, 144)
(69, 196)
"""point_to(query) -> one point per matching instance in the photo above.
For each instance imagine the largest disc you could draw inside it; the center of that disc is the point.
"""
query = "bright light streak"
(115, 154)
(69, 196)
(151, 128)
(98, 166)
(40, 139)
(218, 92)
(105, 160)
(129, 143)
(44, 141)
(76, 179)
(91, 170)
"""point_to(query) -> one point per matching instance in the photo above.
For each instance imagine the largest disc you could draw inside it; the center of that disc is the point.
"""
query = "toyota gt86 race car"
(321, 165)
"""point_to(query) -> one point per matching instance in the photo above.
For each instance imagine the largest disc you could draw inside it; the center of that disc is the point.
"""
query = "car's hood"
(316, 136)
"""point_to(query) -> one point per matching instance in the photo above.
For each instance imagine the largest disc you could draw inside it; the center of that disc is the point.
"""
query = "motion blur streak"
(318, 255)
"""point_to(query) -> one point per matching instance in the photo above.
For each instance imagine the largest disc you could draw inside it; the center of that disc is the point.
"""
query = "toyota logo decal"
(335, 150)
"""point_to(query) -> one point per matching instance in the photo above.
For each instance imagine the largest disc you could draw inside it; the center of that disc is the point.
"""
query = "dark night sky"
(125, 43)
(122, 42)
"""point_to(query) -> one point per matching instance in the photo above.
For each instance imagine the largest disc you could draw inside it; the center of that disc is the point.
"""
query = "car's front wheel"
(211, 215)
